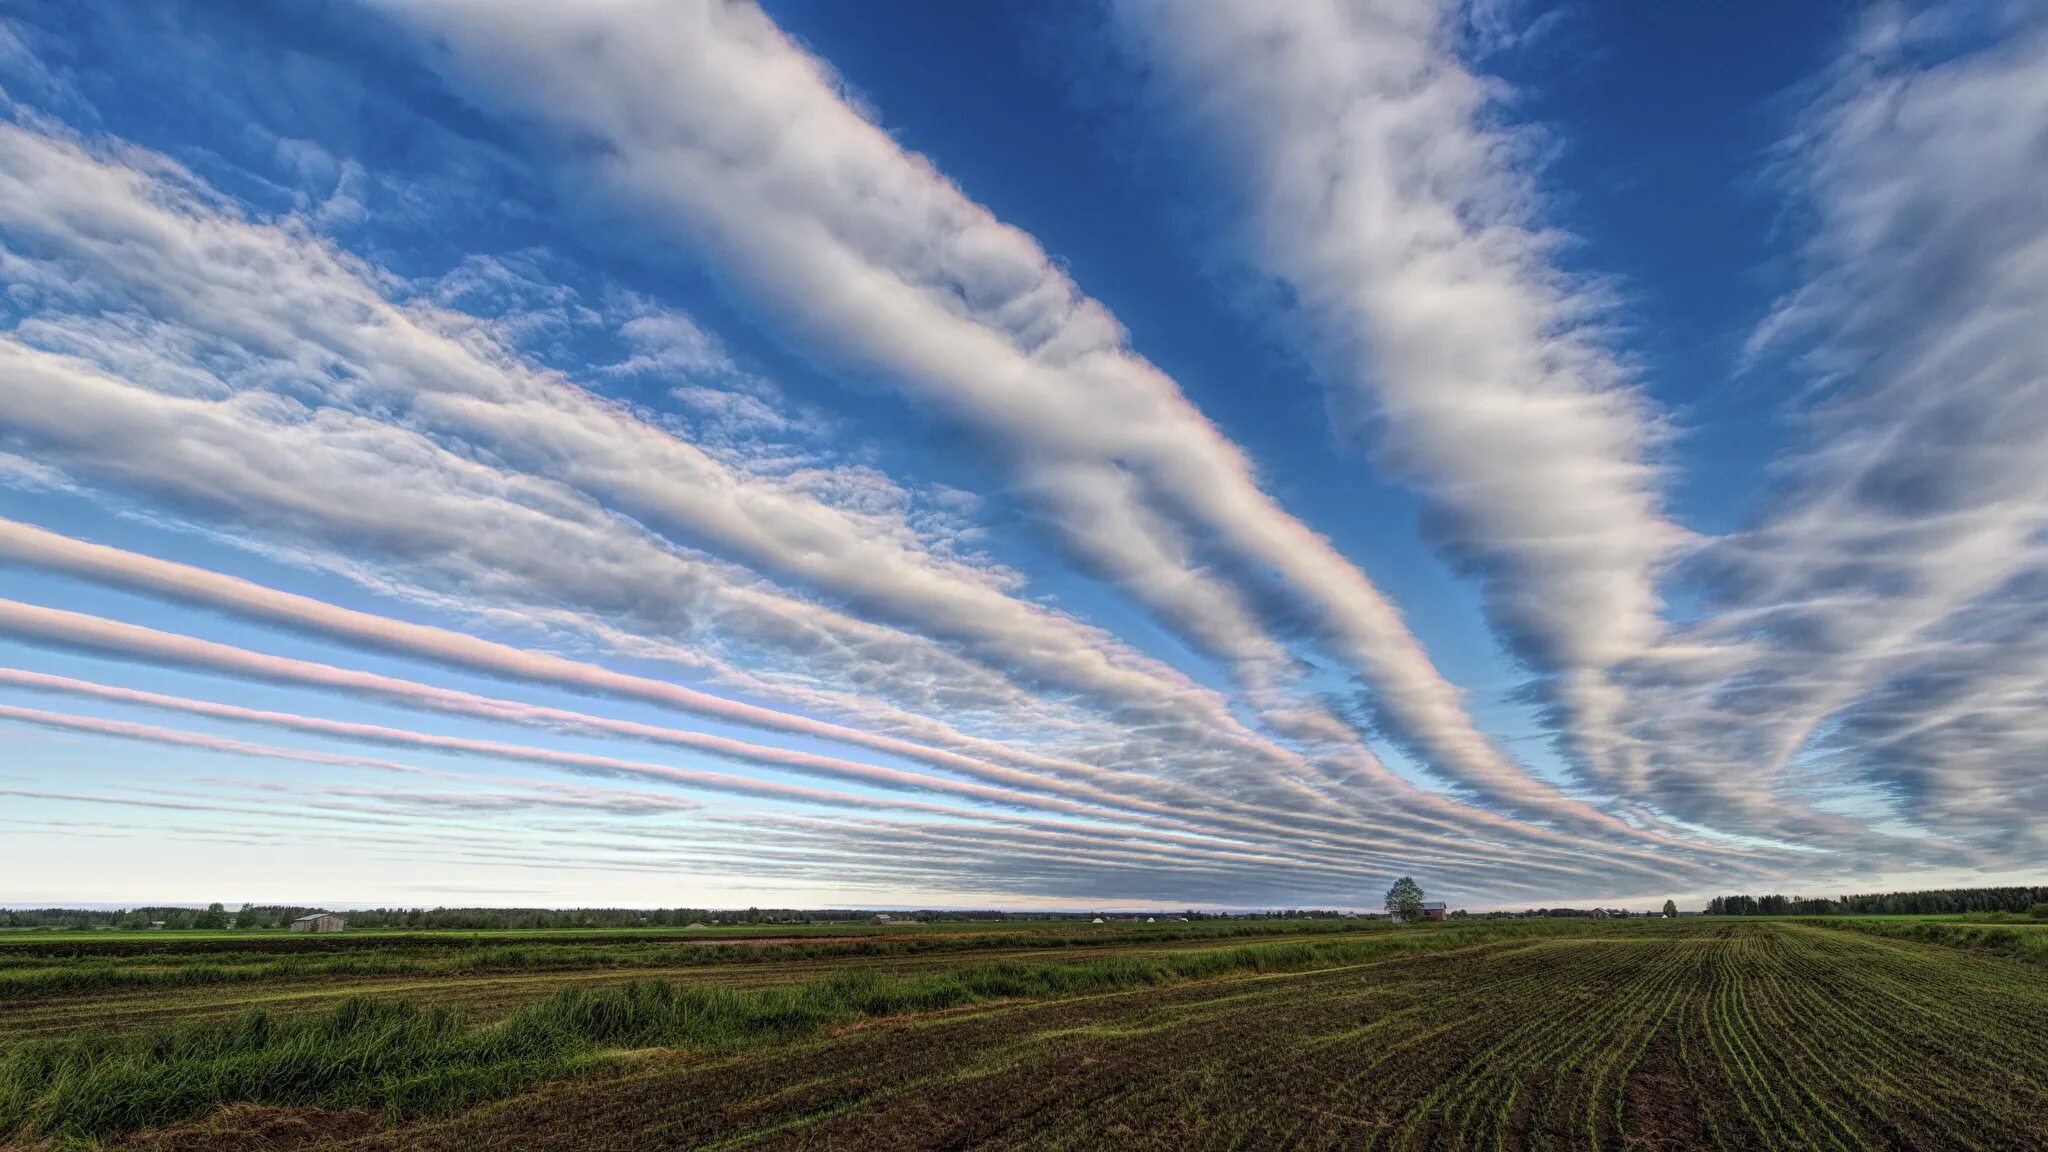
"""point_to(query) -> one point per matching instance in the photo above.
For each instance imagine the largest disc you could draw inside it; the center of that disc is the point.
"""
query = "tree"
(1671, 907)
(1404, 899)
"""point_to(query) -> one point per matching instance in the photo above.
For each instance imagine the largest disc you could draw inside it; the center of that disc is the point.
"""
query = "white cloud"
(1092, 793)
(518, 483)
(1874, 629)
(727, 138)
(1378, 187)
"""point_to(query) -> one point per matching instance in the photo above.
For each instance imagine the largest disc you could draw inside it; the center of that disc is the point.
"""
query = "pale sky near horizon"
(1145, 453)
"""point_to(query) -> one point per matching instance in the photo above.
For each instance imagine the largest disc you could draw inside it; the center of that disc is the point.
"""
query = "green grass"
(100, 964)
(2020, 939)
(1736, 1036)
(406, 1058)
(1731, 1034)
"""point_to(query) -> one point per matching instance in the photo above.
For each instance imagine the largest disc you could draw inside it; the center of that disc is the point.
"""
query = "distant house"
(319, 922)
(1434, 910)
(696, 924)
(881, 918)
(1097, 920)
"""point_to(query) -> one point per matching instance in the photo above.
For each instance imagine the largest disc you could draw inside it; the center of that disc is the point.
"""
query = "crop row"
(1739, 1037)
(41, 974)
(2019, 941)
(409, 1059)
(1681, 1036)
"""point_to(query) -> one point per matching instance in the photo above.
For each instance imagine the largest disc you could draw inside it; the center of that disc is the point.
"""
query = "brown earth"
(249, 1128)
(1735, 1036)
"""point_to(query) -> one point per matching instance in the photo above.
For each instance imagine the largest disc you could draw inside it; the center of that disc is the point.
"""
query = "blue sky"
(1206, 454)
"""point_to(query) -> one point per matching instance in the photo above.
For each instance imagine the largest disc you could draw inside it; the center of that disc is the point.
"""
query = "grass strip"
(409, 1059)
(27, 976)
(2026, 942)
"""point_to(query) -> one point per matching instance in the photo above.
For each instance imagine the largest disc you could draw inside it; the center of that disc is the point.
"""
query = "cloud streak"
(1377, 186)
(1299, 835)
(722, 134)
(575, 466)
(1875, 625)
(1195, 851)
(399, 433)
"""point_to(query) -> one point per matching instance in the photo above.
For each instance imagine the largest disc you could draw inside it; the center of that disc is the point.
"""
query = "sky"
(1136, 453)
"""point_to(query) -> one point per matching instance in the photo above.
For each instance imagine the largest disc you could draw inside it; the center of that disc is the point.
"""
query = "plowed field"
(1698, 1034)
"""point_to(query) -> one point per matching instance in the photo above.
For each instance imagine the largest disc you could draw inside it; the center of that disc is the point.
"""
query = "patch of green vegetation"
(68, 967)
(1731, 1036)
(2002, 934)
(1701, 1033)
(408, 1059)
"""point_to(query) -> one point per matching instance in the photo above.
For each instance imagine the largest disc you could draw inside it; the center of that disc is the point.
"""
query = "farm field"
(1704, 1033)
(135, 980)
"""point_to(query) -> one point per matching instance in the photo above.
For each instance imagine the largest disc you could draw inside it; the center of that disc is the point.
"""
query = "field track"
(1752, 1037)
(1731, 1035)
(484, 993)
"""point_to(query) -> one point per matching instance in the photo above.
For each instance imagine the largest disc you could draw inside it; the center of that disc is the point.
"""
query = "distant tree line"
(1933, 902)
(280, 915)
(211, 916)
(1566, 912)
(276, 916)
(271, 916)
(1946, 900)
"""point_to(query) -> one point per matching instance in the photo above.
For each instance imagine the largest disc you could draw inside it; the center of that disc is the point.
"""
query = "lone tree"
(1404, 899)
(1671, 908)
